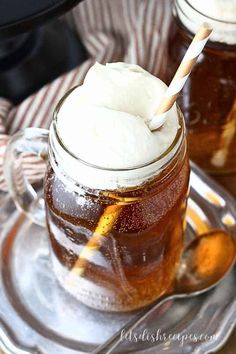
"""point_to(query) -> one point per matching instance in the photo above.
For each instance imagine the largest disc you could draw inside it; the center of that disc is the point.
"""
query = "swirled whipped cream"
(221, 14)
(104, 122)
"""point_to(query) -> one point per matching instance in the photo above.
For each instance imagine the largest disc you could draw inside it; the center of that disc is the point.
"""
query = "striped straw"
(103, 228)
(182, 74)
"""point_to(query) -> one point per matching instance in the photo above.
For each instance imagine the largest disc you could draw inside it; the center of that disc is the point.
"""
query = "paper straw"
(104, 227)
(182, 74)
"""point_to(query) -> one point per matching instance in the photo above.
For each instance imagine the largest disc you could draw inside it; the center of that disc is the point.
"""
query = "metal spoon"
(205, 262)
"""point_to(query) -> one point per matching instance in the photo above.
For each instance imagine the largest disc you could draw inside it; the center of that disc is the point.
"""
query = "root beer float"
(208, 100)
(115, 191)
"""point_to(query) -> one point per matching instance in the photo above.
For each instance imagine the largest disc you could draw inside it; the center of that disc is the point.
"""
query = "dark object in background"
(32, 53)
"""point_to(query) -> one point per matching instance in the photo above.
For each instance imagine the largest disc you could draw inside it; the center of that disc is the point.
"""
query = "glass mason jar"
(208, 99)
(114, 249)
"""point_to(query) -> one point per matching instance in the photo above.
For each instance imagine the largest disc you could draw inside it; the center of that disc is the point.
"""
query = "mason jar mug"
(113, 248)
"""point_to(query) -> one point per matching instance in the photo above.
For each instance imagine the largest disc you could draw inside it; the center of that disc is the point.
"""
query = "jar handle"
(26, 198)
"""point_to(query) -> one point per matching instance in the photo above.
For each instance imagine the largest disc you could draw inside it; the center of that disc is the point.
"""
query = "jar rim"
(224, 30)
(217, 20)
(175, 143)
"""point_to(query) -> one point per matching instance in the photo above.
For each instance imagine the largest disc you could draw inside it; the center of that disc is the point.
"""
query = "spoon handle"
(114, 341)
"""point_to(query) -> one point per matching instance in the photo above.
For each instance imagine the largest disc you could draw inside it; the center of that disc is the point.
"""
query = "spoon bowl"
(205, 262)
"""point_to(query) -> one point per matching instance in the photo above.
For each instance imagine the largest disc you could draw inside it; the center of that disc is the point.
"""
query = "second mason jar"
(208, 99)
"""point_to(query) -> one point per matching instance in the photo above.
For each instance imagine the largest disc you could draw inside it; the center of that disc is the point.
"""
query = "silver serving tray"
(38, 316)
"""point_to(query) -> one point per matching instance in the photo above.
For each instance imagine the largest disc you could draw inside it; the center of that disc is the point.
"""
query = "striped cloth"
(133, 31)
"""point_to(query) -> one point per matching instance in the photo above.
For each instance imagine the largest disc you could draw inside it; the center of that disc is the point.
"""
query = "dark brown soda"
(208, 101)
(137, 260)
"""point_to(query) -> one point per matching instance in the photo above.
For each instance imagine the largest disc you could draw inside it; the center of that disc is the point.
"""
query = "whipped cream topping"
(104, 123)
(221, 14)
